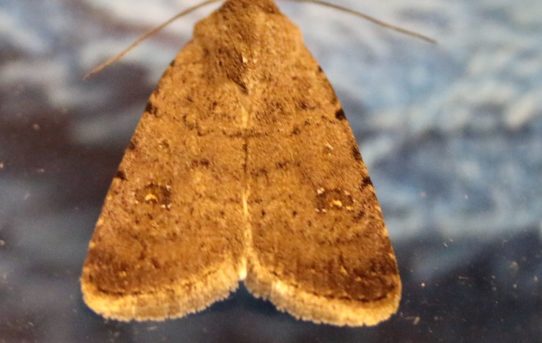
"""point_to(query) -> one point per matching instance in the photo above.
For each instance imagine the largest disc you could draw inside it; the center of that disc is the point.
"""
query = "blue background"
(452, 136)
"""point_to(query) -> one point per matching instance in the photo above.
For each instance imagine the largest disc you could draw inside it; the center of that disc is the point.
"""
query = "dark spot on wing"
(359, 216)
(242, 85)
(151, 109)
(365, 182)
(340, 114)
(121, 175)
(203, 163)
(355, 153)
(281, 165)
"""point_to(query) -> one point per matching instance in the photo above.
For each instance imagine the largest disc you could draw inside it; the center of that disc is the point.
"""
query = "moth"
(243, 167)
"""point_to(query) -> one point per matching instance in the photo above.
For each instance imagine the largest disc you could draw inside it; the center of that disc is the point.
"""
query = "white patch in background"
(52, 76)
(105, 129)
(15, 32)
(524, 111)
(154, 13)
(145, 55)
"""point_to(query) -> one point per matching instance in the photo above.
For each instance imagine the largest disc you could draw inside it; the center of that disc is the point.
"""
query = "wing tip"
(174, 301)
(320, 309)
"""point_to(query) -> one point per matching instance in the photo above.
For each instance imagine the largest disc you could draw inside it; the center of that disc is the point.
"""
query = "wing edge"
(320, 309)
(178, 300)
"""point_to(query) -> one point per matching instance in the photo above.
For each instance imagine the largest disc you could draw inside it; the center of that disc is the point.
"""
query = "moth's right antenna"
(121, 54)
(371, 19)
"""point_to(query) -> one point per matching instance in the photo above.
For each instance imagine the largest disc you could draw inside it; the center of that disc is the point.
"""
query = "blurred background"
(452, 136)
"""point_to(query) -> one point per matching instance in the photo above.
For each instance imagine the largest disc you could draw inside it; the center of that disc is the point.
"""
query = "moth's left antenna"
(144, 36)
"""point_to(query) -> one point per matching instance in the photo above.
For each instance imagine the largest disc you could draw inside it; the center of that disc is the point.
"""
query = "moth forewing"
(243, 165)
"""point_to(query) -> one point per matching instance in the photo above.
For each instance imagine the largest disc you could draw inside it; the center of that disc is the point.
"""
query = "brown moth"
(243, 167)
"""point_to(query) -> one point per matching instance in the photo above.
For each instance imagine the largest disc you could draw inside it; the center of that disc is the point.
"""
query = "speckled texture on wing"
(169, 239)
(243, 165)
(319, 247)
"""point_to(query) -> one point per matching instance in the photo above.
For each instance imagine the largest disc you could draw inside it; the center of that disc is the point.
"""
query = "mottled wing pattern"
(169, 239)
(243, 166)
(320, 249)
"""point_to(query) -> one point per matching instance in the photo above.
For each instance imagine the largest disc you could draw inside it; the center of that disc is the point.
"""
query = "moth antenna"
(371, 19)
(144, 36)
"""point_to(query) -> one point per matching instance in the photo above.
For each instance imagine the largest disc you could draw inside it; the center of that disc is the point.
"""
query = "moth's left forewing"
(169, 240)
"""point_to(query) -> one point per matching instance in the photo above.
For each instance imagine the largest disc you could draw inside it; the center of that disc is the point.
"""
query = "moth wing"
(320, 249)
(169, 239)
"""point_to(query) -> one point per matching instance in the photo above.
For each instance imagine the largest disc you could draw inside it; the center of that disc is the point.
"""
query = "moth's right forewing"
(319, 246)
